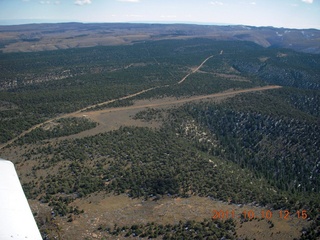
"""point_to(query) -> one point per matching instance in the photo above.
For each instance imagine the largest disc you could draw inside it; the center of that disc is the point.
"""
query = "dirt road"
(178, 101)
(80, 111)
(96, 105)
(195, 70)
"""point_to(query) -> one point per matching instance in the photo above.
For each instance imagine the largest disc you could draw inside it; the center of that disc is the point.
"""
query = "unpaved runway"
(150, 104)
(175, 102)
(164, 103)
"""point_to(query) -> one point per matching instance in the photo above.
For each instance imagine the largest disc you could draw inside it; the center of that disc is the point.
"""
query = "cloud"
(45, 2)
(216, 3)
(168, 16)
(82, 2)
(308, 1)
(129, 1)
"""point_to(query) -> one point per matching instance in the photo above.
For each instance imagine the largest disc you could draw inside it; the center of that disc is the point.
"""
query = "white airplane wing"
(16, 218)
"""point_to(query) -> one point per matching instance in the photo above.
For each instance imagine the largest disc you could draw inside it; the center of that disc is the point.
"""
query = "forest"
(259, 148)
(45, 84)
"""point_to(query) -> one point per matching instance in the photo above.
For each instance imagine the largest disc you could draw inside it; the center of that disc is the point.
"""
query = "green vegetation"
(274, 134)
(207, 229)
(286, 68)
(259, 148)
(199, 84)
(59, 128)
(115, 104)
(282, 149)
(146, 163)
(45, 84)
(150, 114)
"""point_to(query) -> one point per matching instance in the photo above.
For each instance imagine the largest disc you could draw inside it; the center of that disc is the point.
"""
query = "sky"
(276, 13)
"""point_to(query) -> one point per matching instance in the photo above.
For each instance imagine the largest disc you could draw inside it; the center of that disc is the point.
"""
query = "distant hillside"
(41, 37)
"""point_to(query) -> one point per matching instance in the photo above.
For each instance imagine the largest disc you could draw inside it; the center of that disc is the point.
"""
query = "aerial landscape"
(155, 130)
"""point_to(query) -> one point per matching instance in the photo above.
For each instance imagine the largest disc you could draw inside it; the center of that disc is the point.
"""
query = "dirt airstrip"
(112, 118)
(141, 105)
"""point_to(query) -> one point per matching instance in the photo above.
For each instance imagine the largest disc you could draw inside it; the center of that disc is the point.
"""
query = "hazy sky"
(277, 13)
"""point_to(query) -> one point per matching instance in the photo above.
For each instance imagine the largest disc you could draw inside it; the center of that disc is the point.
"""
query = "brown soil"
(105, 211)
(112, 118)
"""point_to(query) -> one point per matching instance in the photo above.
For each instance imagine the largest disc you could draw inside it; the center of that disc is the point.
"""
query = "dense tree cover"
(45, 84)
(274, 133)
(59, 128)
(13, 121)
(36, 106)
(307, 101)
(290, 103)
(313, 231)
(259, 148)
(148, 163)
(150, 114)
(199, 84)
(206, 229)
(287, 68)
(282, 149)
(263, 132)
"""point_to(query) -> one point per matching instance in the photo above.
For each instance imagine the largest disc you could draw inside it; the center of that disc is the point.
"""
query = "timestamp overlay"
(264, 214)
(261, 223)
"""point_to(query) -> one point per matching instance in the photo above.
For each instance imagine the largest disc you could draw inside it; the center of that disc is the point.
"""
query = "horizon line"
(20, 22)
